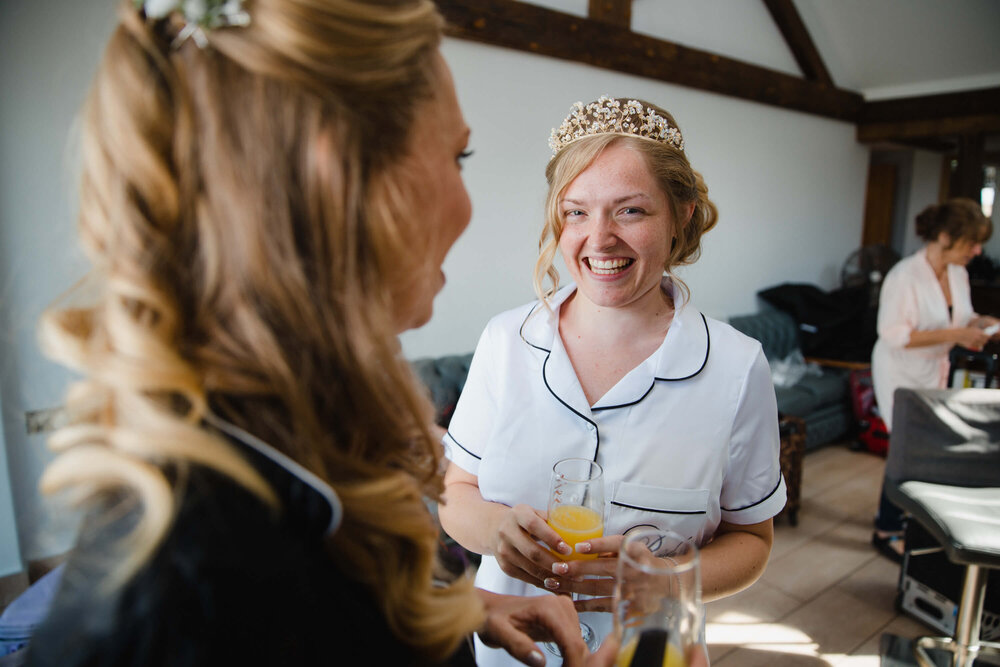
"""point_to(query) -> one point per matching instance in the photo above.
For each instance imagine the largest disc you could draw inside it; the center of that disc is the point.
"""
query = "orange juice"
(672, 657)
(576, 523)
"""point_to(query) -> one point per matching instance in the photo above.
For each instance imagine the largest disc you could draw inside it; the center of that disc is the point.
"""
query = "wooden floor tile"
(826, 596)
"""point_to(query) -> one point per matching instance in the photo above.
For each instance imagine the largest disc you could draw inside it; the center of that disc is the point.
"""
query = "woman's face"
(617, 229)
(962, 251)
(440, 208)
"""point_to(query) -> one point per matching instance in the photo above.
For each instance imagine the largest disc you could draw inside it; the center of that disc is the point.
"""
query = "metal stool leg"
(965, 647)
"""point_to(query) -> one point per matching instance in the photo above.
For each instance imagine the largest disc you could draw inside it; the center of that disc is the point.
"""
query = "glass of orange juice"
(658, 610)
(576, 512)
(576, 503)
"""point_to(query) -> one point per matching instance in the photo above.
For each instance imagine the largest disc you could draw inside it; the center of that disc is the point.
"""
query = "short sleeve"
(753, 489)
(475, 412)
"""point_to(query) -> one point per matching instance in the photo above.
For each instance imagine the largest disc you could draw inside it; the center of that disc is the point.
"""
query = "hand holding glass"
(576, 503)
(657, 599)
(576, 512)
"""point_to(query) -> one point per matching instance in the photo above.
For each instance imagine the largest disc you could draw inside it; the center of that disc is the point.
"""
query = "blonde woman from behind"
(269, 189)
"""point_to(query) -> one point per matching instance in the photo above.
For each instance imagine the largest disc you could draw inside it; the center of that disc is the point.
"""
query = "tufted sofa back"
(444, 377)
(775, 329)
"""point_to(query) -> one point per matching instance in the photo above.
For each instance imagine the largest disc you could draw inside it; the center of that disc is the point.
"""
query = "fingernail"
(536, 658)
(551, 584)
(564, 548)
(583, 548)
(560, 568)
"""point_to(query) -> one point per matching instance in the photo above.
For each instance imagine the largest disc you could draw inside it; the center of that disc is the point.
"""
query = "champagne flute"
(658, 607)
(576, 512)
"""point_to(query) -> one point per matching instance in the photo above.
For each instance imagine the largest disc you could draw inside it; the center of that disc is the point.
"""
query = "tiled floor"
(827, 596)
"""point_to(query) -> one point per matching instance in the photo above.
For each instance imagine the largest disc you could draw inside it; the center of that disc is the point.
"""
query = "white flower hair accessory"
(612, 116)
(199, 16)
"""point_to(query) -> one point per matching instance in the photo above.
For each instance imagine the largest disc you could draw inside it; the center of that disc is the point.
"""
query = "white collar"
(682, 355)
(283, 465)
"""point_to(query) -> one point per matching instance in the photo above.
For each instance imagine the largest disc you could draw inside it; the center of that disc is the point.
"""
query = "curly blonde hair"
(669, 166)
(247, 234)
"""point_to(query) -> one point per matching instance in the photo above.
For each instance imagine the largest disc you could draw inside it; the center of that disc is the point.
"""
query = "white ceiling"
(895, 48)
(879, 48)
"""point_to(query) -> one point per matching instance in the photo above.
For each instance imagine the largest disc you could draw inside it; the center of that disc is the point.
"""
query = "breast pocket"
(684, 511)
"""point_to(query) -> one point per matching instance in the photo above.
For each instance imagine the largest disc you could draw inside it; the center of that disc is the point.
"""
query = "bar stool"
(943, 469)
(960, 357)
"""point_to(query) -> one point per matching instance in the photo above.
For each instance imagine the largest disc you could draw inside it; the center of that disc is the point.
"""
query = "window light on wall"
(989, 190)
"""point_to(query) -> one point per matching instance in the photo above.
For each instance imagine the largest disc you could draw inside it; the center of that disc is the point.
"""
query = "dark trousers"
(889, 517)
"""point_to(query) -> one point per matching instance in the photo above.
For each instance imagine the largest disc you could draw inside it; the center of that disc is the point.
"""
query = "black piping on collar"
(569, 407)
(520, 331)
(288, 465)
(548, 352)
(704, 362)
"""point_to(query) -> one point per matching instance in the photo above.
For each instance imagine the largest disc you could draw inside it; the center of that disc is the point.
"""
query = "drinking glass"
(576, 512)
(658, 606)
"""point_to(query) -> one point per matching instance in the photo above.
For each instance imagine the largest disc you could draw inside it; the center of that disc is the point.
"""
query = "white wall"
(48, 52)
(789, 186)
(924, 190)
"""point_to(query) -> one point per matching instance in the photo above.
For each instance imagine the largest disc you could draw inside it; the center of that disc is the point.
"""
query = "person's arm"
(971, 337)
(507, 533)
(735, 558)
(732, 561)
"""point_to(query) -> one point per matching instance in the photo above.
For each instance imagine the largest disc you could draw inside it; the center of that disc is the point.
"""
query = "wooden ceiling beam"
(604, 39)
(799, 41)
(547, 32)
(615, 12)
(902, 130)
(928, 107)
(931, 116)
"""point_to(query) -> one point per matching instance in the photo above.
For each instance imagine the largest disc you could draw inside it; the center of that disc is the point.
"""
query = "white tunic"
(686, 439)
(912, 300)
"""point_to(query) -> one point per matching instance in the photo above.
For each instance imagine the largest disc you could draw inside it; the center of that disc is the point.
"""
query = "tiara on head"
(611, 116)
(199, 16)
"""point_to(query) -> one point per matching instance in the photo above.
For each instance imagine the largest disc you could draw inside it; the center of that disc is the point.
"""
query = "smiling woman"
(619, 368)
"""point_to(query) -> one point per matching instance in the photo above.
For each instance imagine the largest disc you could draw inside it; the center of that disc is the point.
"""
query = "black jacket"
(233, 583)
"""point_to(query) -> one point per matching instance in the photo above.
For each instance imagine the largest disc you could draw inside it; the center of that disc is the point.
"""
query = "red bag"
(862, 393)
(873, 433)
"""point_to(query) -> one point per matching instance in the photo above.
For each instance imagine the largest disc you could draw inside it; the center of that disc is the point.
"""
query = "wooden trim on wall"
(917, 129)
(981, 102)
(534, 29)
(930, 116)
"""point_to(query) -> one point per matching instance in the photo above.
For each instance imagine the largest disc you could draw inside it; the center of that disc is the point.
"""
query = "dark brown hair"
(960, 218)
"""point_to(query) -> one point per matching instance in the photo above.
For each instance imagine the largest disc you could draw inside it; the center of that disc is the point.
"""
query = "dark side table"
(792, 431)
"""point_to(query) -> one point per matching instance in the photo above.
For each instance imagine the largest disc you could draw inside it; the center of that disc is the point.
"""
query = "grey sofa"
(823, 402)
(444, 377)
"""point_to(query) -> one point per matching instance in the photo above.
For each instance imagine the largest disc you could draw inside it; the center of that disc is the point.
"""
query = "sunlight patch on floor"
(733, 617)
(772, 636)
(852, 660)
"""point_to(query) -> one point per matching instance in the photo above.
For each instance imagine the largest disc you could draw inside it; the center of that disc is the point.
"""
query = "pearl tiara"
(612, 116)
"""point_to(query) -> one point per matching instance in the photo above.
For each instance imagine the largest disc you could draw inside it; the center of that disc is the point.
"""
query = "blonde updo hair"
(247, 232)
(962, 219)
(670, 167)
